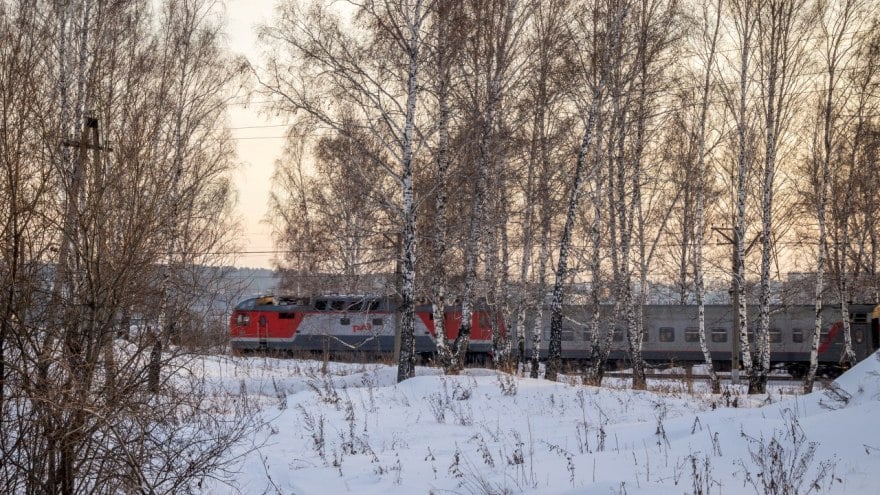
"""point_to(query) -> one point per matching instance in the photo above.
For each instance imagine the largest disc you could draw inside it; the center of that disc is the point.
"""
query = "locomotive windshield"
(247, 304)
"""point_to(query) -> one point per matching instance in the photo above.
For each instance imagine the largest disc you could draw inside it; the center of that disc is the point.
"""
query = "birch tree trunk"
(834, 25)
(746, 21)
(554, 356)
(443, 61)
(701, 199)
(551, 43)
(782, 27)
(614, 23)
(494, 47)
(598, 349)
(406, 364)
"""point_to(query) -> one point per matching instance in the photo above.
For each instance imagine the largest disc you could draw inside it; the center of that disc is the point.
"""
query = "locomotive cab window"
(719, 335)
(666, 334)
(378, 322)
(691, 334)
(860, 318)
(286, 316)
(321, 304)
(248, 304)
(345, 321)
(242, 320)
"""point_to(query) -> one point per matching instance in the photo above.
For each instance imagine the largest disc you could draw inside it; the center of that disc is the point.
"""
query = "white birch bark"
(782, 28)
(549, 23)
(442, 59)
(540, 290)
(554, 353)
(745, 18)
(701, 198)
(498, 50)
(406, 363)
(598, 355)
(554, 357)
(834, 26)
(848, 357)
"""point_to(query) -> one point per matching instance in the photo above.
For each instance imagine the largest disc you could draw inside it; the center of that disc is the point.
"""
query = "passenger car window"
(719, 335)
(797, 335)
(692, 334)
(666, 334)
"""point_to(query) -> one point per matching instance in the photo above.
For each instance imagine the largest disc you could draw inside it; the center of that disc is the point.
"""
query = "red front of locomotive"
(264, 323)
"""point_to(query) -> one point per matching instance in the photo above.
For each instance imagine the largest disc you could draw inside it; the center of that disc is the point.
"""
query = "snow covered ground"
(354, 430)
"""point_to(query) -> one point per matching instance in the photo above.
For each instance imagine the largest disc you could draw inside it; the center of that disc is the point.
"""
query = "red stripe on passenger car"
(835, 329)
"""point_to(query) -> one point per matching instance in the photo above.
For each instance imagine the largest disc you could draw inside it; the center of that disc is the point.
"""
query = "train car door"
(263, 331)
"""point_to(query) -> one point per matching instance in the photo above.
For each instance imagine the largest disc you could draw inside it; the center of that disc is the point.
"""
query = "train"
(365, 326)
(355, 325)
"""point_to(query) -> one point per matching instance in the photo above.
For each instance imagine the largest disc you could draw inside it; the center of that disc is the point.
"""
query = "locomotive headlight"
(859, 336)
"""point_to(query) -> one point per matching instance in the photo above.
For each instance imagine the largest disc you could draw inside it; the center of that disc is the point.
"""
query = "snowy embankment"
(354, 430)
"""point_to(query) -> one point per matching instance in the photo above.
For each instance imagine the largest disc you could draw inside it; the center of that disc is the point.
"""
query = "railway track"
(724, 376)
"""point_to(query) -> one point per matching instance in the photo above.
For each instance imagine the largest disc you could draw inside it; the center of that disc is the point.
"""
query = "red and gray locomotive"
(345, 324)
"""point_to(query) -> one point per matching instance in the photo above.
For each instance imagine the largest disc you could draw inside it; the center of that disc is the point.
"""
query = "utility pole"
(735, 347)
(73, 192)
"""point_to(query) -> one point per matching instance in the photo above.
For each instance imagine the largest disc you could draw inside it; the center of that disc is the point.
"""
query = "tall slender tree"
(373, 65)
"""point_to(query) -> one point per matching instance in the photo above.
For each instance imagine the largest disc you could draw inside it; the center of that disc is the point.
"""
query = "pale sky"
(259, 141)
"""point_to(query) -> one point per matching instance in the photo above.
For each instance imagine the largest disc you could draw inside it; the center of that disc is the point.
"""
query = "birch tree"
(497, 26)
(743, 13)
(447, 38)
(782, 27)
(710, 35)
(855, 162)
(657, 28)
(373, 66)
(608, 39)
(550, 43)
(836, 22)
